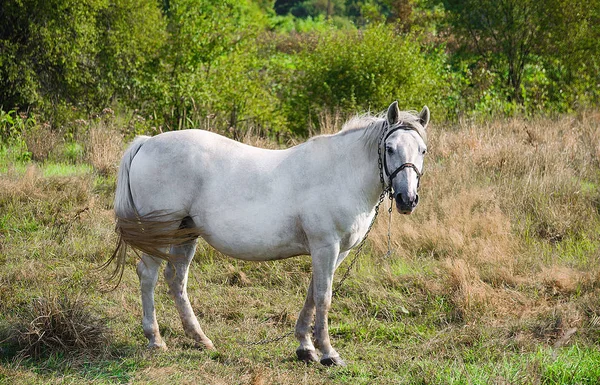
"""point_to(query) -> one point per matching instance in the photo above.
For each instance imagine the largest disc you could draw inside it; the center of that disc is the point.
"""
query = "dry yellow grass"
(104, 147)
(509, 209)
(502, 256)
(40, 141)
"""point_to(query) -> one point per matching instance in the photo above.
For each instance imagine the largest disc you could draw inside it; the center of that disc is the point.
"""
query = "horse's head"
(404, 147)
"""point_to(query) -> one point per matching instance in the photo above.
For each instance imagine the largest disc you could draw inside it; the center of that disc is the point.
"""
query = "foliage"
(364, 70)
(273, 67)
(132, 35)
(82, 53)
(533, 50)
(504, 33)
(212, 72)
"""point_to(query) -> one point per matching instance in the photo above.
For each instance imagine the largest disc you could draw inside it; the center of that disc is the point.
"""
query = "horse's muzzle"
(406, 204)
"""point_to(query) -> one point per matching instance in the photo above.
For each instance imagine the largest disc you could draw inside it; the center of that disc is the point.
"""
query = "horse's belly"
(259, 238)
(255, 249)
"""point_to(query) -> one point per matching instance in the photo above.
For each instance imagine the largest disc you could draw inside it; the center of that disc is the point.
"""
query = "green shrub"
(58, 55)
(73, 152)
(365, 70)
(214, 73)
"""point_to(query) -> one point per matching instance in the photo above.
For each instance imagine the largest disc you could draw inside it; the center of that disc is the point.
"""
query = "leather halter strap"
(393, 174)
(402, 167)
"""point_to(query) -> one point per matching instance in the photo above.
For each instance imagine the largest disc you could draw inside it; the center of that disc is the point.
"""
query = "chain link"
(389, 234)
(360, 246)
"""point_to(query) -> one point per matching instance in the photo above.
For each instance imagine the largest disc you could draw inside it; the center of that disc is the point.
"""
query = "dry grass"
(41, 140)
(104, 147)
(61, 325)
(499, 262)
(509, 209)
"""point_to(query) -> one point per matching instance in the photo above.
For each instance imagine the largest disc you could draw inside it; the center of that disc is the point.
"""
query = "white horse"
(316, 198)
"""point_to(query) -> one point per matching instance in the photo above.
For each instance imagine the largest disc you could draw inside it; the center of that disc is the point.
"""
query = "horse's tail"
(124, 206)
(150, 234)
(124, 209)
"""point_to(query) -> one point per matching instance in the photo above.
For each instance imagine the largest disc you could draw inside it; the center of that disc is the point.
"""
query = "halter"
(393, 174)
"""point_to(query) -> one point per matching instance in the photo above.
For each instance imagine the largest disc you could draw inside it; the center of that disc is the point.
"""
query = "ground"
(493, 280)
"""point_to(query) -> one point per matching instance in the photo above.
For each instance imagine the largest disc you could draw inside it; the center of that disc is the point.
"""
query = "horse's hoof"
(210, 347)
(157, 347)
(307, 355)
(205, 345)
(333, 361)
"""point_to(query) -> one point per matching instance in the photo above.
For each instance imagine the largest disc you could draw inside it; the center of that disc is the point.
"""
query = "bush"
(213, 73)
(365, 70)
(59, 54)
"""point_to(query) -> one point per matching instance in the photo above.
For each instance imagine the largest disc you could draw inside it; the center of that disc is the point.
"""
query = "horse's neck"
(358, 157)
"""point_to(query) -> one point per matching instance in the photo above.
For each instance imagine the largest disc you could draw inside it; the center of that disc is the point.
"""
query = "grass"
(493, 280)
(62, 169)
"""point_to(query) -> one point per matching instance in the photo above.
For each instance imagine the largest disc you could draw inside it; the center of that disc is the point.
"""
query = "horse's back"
(181, 166)
(237, 195)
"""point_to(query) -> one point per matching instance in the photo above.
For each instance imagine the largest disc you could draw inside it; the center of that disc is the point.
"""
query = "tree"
(211, 65)
(75, 52)
(53, 43)
(572, 49)
(504, 33)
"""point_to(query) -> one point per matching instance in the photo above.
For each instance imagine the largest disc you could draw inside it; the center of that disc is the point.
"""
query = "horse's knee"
(147, 275)
(170, 273)
(322, 301)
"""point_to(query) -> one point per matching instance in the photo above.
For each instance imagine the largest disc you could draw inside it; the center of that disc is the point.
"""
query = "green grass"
(65, 169)
(472, 365)
(480, 287)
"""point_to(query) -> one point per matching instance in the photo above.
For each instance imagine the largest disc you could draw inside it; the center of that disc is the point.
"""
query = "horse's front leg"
(306, 351)
(324, 261)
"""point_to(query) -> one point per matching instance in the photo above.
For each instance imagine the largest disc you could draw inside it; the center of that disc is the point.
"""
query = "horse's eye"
(389, 150)
(424, 152)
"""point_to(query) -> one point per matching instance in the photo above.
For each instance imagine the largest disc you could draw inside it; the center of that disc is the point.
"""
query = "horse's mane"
(372, 125)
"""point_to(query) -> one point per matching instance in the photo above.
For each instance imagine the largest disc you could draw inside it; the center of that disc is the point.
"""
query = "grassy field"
(495, 279)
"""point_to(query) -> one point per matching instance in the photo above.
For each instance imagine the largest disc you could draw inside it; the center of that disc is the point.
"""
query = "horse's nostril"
(416, 200)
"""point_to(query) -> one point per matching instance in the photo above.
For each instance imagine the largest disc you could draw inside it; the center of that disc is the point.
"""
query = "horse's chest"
(355, 231)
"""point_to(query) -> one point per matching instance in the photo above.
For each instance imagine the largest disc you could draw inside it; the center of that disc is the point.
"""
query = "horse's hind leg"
(176, 275)
(147, 270)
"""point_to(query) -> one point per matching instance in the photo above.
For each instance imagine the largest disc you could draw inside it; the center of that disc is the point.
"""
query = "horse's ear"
(393, 113)
(424, 117)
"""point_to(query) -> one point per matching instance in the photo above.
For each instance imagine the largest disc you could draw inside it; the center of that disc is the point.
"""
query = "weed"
(103, 147)
(60, 325)
(40, 141)
(73, 152)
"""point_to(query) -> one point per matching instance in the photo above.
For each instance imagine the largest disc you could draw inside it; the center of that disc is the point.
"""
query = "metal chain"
(389, 234)
(361, 244)
(386, 190)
